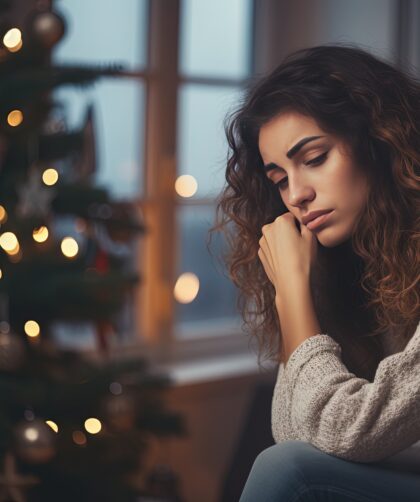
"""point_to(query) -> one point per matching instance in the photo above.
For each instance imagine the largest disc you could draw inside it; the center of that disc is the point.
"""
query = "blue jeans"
(293, 471)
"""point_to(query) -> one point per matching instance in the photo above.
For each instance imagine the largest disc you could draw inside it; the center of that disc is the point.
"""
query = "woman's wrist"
(298, 320)
(298, 288)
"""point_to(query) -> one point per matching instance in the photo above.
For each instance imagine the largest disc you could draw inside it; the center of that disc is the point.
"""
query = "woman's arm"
(298, 320)
(316, 399)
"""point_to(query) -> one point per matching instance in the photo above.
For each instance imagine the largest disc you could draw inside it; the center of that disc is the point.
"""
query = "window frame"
(153, 302)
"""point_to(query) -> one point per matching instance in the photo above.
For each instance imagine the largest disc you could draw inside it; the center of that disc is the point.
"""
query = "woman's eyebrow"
(294, 150)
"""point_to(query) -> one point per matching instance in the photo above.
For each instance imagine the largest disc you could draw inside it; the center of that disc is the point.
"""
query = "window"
(215, 58)
(186, 67)
(118, 36)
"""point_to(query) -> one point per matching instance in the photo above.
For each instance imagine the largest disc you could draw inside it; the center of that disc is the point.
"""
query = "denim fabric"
(293, 471)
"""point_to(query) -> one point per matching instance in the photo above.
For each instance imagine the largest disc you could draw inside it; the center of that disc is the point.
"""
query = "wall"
(215, 414)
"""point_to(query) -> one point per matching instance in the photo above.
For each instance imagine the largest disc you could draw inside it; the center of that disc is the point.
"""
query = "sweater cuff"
(307, 350)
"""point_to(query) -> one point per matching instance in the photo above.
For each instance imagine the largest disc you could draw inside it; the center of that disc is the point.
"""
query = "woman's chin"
(331, 239)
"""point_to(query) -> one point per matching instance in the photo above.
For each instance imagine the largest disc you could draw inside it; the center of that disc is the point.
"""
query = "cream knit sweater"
(317, 400)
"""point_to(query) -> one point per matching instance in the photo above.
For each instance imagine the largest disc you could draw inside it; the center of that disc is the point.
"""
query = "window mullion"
(159, 249)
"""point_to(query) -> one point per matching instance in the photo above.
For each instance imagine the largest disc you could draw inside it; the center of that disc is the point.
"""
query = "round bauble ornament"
(34, 441)
(47, 28)
(119, 411)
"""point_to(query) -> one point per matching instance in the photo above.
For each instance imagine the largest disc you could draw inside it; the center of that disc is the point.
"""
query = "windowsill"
(199, 360)
(211, 369)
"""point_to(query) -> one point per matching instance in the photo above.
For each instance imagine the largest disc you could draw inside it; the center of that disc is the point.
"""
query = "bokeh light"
(186, 185)
(69, 247)
(15, 118)
(12, 40)
(93, 425)
(32, 328)
(186, 287)
(40, 234)
(52, 424)
(50, 176)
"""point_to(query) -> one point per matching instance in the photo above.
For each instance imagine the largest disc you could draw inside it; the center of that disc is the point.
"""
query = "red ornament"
(101, 262)
(103, 331)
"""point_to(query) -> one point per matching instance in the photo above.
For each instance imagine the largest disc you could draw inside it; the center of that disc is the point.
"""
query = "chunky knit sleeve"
(316, 399)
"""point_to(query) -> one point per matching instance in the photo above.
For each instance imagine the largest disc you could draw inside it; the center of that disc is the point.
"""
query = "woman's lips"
(316, 222)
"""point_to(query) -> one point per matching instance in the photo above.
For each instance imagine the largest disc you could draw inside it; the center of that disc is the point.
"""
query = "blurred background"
(124, 368)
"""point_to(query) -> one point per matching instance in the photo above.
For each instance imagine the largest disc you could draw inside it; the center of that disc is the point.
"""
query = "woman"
(332, 132)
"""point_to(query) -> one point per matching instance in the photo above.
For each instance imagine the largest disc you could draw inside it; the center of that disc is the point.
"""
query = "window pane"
(216, 38)
(214, 307)
(104, 31)
(119, 120)
(202, 144)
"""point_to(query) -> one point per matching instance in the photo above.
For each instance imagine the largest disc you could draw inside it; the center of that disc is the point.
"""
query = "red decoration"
(103, 330)
(101, 262)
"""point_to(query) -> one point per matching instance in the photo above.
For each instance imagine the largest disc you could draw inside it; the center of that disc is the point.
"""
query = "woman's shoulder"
(393, 341)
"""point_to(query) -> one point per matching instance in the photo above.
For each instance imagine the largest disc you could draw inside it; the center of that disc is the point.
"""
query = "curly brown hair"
(370, 284)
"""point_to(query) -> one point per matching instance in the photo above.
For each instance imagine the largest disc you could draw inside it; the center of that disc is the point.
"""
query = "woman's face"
(332, 182)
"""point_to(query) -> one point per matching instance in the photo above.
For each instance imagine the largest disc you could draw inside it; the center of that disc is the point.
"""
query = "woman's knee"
(276, 473)
(288, 456)
(290, 450)
(298, 459)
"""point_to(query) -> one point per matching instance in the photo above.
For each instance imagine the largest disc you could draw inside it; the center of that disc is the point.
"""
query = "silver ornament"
(34, 196)
(34, 441)
(119, 411)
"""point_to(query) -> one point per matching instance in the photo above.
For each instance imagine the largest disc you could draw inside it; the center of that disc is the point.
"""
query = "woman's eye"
(280, 183)
(316, 160)
(313, 162)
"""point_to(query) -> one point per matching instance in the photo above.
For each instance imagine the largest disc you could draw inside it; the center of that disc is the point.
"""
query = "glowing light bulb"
(50, 176)
(12, 40)
(52, 424)
(32, 328)
(186, 287)
(8, 241)
(93, 425)
(40, 234)
(31, 434)
(15, 118)
(186, 185)
(69, 247)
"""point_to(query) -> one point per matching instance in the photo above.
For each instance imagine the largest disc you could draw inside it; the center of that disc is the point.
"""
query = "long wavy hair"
(369, 285)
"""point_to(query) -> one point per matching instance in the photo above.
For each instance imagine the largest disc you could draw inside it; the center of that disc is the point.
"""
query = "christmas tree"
(73, 427)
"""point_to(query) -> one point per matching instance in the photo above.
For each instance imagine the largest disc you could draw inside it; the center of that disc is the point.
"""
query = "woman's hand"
(286, 253)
